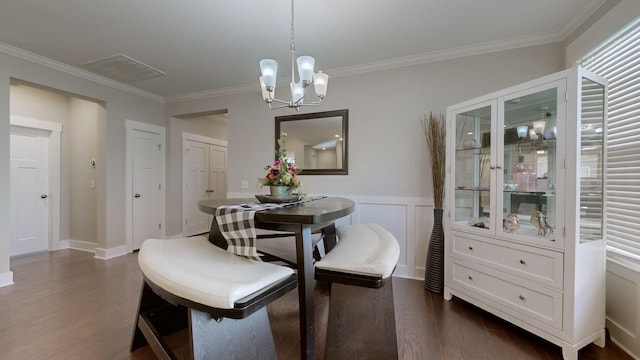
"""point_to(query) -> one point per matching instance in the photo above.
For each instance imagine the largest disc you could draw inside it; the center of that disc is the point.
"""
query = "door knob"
(44, 196)
(136, 195)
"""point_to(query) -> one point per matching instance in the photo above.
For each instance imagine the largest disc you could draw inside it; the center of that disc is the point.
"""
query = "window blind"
(618, 61)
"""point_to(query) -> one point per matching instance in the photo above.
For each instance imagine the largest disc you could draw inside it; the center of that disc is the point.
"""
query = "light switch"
(245, 184)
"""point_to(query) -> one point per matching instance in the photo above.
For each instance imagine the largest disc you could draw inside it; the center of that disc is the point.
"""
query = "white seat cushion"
(197, 270)
(366, 249)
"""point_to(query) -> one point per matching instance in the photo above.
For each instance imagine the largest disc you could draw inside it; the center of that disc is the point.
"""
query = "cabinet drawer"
(542, 266)
(538, 303)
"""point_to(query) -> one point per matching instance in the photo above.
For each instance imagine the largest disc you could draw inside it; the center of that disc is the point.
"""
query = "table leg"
(304, 253)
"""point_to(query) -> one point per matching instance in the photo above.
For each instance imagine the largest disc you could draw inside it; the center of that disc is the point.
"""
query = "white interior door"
(147, 157)
(195, 162)
(29, 174)
(217, 172)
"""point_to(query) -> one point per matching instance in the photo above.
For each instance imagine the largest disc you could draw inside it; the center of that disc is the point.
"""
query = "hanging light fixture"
(306, 76)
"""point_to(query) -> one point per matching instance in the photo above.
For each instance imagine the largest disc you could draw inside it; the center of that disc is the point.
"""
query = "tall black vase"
(434, 268)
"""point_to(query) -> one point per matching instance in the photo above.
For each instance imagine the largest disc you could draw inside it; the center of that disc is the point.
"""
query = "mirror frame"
(344, 113)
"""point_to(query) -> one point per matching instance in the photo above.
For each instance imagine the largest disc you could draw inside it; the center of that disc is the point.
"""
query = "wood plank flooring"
(68, 305)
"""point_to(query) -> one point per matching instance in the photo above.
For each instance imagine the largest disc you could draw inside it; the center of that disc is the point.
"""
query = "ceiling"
(208, 46)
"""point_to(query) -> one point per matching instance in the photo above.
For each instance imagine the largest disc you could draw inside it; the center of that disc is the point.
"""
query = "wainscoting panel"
(392, 217)
(623, 305)
(423, 225)
(409, 219)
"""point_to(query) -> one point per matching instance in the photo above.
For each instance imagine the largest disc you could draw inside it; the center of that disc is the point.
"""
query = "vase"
(434, 267)
(280, 191)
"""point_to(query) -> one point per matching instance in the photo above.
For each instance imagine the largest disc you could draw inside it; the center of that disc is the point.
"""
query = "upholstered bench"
(361, 321)
(219, 296)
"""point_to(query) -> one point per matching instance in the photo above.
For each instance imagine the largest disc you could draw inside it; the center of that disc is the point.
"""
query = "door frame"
(131, 126)
(187, 136)
(55, 130)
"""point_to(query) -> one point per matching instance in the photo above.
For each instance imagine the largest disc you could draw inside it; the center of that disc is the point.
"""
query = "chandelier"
(306, 76)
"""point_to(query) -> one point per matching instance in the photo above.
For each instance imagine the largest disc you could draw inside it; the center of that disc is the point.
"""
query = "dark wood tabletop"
(301, 219)
(310, 212)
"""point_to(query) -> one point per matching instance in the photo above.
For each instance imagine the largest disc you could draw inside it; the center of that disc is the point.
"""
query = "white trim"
(75, 71)
(132, 125)
(106, 254)
(6, 279)
(608, 25)
(82, 245)
(434, 56)
(623, 258)
(203, 139)
(55, 129)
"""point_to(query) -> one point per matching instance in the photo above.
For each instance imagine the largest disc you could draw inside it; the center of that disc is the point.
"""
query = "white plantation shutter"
(618, 61)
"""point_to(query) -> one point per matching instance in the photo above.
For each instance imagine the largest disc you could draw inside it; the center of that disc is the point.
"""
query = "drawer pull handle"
(471, 248)
(521, 297)
(523, 262)
(470, 277)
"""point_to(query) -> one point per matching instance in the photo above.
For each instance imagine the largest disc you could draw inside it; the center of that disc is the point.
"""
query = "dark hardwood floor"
(68, 305)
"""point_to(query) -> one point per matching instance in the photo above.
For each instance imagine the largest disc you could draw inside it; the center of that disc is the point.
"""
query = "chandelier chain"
(292, 46)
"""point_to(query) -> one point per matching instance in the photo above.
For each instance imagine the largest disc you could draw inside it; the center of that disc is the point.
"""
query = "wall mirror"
(317, 142)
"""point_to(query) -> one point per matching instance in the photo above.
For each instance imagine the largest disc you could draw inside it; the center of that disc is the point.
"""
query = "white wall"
(388, 175)
(213, 126)
(81, 136)
(120, 102)
(79, 117)
(623, 272)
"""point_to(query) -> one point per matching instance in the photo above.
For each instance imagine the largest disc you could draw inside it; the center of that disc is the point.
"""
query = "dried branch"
(435, 134)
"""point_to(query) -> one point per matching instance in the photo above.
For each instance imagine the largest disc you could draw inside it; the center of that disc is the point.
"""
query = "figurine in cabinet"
(539, 220)
(511, 223)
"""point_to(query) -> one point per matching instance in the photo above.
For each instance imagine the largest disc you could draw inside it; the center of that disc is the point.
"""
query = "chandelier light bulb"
(269, 70)
(522, 131)
(305, 69)
(297, 93)
(538, 126)
(320, 82)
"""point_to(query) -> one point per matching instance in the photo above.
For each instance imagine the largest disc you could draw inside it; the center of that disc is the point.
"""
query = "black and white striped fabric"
(237, 225)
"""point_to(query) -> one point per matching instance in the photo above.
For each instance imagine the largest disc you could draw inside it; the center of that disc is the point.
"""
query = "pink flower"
(273, 174)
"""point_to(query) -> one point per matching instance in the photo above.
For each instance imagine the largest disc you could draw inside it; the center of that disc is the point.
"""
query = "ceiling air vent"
(122, 68)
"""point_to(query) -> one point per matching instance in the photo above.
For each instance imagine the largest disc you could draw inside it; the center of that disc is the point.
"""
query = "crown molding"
(199, 95)
(581, 17)
(57, 65)
(478, 49)
(441, 55)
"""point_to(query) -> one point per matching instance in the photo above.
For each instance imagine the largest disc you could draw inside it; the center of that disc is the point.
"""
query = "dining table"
(301, 219)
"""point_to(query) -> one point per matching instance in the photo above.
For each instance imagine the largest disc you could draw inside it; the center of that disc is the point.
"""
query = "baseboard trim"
(81, 245)
(6, 279)
(105, 254)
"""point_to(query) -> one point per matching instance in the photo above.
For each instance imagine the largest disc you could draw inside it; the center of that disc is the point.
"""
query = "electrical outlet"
(245, 184)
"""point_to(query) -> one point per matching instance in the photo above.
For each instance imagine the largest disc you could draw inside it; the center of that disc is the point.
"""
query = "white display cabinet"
(524, 225)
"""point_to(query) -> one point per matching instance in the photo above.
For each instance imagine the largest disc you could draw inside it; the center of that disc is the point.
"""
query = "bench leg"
(361, 323)
(248, 338)
(168, 319)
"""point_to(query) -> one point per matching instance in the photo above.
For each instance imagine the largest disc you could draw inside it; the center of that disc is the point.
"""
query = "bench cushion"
(365, 249)
(194, 269)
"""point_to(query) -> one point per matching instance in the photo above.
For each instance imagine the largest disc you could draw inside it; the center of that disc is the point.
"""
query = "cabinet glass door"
(529, 165)
(591, 160)
(472, 200)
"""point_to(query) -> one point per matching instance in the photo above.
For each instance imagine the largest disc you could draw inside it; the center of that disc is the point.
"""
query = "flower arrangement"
(283, 172)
